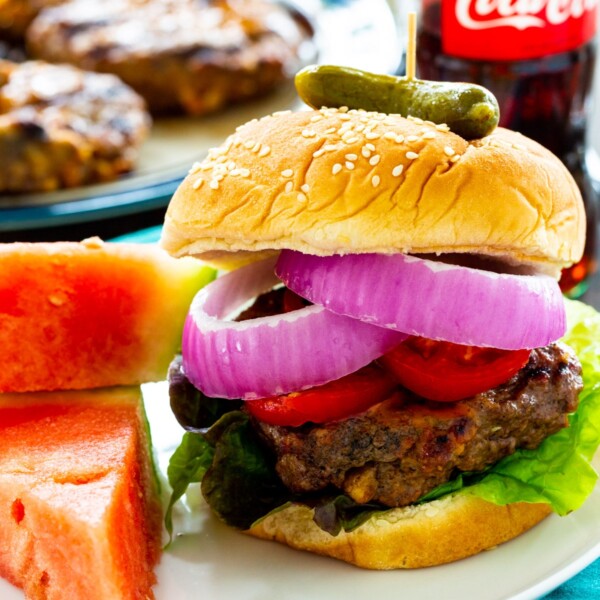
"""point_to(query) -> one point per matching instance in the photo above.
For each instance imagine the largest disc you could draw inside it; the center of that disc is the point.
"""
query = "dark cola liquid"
(545, 98)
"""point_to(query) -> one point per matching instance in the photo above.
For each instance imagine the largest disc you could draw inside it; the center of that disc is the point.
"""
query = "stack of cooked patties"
(62, 127)
(180, 55)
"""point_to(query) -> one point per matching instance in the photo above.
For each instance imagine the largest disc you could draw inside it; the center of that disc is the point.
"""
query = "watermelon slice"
(91, 314)
(79, 510)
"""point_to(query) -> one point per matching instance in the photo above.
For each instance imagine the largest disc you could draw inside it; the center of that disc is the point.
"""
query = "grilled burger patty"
(402, 448)
(63, 127)
(190, 55)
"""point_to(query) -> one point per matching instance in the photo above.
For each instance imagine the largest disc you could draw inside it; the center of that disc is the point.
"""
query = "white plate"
(214, 562)
(360, 33)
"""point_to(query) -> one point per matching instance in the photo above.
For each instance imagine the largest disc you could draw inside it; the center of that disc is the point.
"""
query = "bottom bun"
(431, 534)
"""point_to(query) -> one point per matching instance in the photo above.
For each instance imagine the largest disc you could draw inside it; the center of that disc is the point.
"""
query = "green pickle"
(469, 110)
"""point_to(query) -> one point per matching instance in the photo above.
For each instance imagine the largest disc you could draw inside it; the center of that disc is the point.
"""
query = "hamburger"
(382, 375)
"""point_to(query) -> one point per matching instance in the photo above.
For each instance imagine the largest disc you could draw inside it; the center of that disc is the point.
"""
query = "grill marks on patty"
(194, 56)
(63, 127)
(404, 447)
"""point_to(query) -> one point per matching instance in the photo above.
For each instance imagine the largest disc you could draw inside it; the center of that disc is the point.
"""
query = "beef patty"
(63, 127)
(402, 448)
(194, 56)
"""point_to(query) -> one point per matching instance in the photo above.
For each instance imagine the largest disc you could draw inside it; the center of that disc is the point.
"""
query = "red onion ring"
(431, 299)
(270, 356)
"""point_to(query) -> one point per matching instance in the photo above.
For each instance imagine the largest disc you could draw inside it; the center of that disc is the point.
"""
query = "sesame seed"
(449, 151)
(397, 170)
(345, 118)
(256, 147)
(371, 147)
(455, 158)
(230, 165)
(350, 165)
(360, 127)
(343, 109)
(442, 127)
(214, 185)
(336, 168)
(305, 188)
(371, 135)
(365, 152)
(264, 151)
(330, 130)
(308, 133)
(198, 183)
(235, 172)
(249, 144)
(329, 147)
(280, 113)
(429, 135)
(302, 197)
(195, 168)
(351, 157)
(316, 118)
(418, 121)
(412, 138)
(287, 173)
(245, 172)
(412, 155)
(318, 153)
(351, 140)
(399, 139)
(346, 133)
(389, 135)
(289, 186)
(374, 160)
(375, 180)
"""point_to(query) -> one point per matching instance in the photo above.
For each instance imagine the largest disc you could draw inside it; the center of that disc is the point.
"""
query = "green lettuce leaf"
(341, 512)
(237, 474)
(188, 464)
(241, 485)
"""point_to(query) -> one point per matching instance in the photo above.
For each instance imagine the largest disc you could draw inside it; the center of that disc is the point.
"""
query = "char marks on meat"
(404, 447)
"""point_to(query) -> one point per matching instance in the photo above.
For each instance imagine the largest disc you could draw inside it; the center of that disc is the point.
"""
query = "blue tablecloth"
(585, 586)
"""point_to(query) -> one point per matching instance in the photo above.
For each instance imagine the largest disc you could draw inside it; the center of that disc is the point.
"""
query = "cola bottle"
(538, 58)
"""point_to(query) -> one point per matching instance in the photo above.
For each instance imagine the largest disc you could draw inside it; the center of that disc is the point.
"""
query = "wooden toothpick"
(411, 46)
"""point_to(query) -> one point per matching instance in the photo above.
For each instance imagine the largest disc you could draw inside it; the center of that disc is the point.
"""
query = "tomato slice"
(291, 301)
(337, 399)
(448, 372)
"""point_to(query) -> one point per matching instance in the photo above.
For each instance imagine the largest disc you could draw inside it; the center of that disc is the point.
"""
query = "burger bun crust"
(438, 532)
(333, 182)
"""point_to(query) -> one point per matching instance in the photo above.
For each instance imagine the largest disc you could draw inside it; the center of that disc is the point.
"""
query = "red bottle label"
(516, 29)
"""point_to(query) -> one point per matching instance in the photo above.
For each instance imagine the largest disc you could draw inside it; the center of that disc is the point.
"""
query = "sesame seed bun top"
(338, 182)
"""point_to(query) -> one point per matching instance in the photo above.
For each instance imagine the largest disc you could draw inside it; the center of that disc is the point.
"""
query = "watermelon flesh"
(91, 314)
(79, 508)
